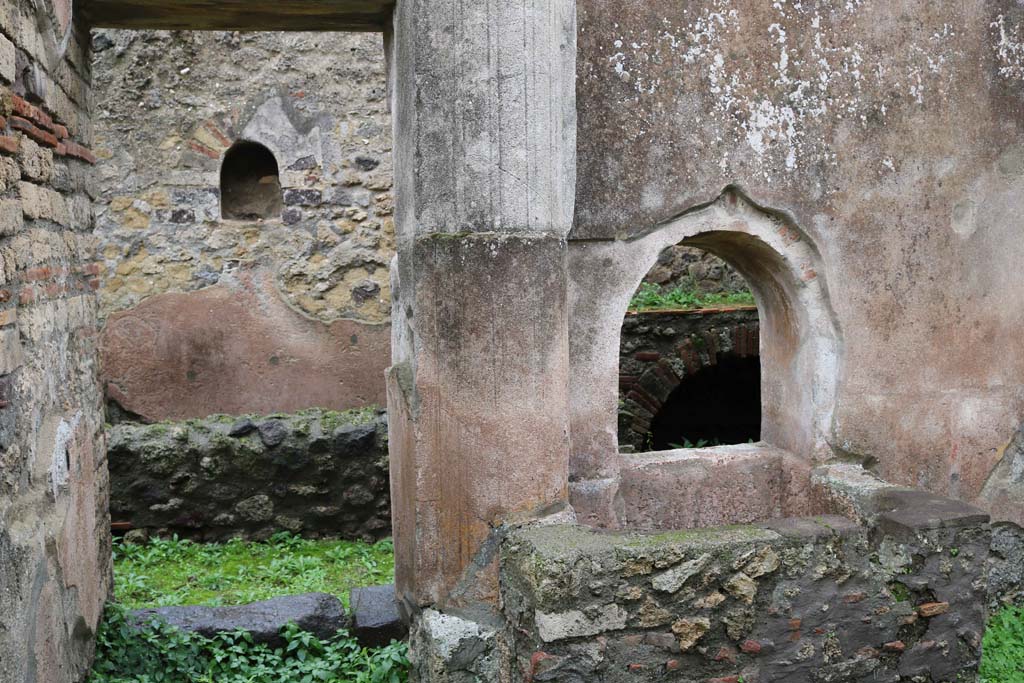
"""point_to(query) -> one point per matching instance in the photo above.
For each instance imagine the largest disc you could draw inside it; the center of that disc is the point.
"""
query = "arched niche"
(799, 339)
(250, 184)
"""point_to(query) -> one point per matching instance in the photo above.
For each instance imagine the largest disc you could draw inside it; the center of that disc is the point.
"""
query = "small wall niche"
(250, 185)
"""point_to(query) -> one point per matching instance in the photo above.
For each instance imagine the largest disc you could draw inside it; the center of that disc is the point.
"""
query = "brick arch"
(648, 377)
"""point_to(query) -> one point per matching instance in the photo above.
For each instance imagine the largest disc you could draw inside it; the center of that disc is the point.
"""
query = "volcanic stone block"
(375, 617)
(318, 613)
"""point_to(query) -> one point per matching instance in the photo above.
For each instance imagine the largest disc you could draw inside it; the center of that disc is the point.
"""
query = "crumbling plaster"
(887, 132)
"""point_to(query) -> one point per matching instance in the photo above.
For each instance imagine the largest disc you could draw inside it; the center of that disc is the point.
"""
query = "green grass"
(179, 572)
(652, 297)
(1003, 647)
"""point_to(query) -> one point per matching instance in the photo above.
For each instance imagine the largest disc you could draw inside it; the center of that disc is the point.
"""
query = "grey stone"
(241, 427)
(259, 508)
(1006, 565)
(375, 617)
(552, 626)
(672, 580)
(303, 197)
(318, 613)
(450, 648)
(351, 440)
(366, 163)
(219, 479)
(904, 512)
(273, 432)
(136, 536)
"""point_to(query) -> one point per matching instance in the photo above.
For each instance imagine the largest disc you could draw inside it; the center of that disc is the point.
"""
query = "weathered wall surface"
(695, 269)
(891, 134)
(797, 600)
(169, 104)
(54, 524)
(317, 473)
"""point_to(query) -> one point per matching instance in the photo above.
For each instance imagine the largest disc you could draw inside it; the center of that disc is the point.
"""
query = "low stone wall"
(316, 473)
(889, 589)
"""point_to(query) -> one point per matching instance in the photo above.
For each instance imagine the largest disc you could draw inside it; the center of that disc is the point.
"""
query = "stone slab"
(318, 613)
(913, 511)
(375, 618)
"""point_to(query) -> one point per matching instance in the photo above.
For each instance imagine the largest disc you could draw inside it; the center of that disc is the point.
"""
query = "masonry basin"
(782, 573)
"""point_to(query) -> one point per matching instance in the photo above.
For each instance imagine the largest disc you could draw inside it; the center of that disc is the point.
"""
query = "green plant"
(1003, 647)
(654, 297)
(158, 653)
(180, 572)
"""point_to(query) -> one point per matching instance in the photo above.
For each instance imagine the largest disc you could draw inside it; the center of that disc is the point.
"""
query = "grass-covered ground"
(652, 297)
(177, 572)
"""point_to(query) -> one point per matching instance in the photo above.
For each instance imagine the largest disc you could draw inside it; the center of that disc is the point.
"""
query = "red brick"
(22, 107)
(26, 296)
(750, 647)
(9, 144)
(33, 274)
(672, 665)
(636, 667)
(5, 296)
(895, 646)
(725, 654)
(216, 132)
(647, 356)
(645, 400)
(60, 131)
(37, 134)
(79, 152)
(724, 679)
(203, 149)
(853, 598)
(34, 114)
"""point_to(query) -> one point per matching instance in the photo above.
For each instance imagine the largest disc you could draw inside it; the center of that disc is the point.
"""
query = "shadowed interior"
(719, 404)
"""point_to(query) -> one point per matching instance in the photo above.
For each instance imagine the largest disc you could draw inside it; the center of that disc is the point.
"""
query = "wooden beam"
(240, 15)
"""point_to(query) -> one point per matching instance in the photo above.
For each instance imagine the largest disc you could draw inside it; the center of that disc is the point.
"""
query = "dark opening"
(717, 405)
(250, 187)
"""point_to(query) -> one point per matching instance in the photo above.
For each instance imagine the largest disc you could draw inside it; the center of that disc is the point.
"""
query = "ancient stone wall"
(54, 524)
(695, 269)
(884, 587)
(317, 473)
(169, 105)
(802, 600)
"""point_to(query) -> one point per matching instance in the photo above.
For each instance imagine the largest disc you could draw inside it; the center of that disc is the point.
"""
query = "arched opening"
(250, 186)
(614, 480)
(689, 366)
